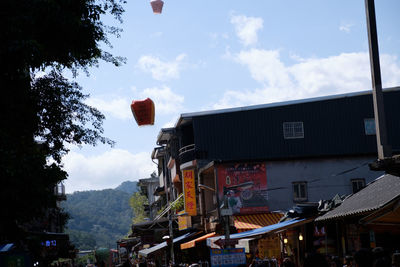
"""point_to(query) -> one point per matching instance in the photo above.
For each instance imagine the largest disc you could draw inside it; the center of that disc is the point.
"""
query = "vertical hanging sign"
(190, 192)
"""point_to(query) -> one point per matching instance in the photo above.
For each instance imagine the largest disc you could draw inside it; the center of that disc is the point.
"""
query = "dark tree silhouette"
(39, 116)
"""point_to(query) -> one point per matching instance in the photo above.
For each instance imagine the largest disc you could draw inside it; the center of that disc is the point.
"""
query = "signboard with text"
(189, 192)
(244, 185)
(229, 257)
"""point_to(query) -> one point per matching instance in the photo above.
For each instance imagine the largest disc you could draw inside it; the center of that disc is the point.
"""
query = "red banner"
(245, 187)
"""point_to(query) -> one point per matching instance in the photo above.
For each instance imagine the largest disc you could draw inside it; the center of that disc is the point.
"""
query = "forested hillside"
(99, 218)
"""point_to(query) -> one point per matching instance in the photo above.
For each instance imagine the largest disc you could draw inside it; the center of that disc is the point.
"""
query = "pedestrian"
(380, 258)
(287, 262)
(315, 260)
(348, 261)
(363, 258)
(396, 259)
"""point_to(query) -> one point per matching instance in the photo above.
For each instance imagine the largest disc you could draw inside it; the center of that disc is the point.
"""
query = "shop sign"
(228, 257)
(250, 198)
(190, 192)
(184, 222)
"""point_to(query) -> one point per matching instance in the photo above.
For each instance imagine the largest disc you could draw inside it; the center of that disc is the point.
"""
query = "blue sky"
(203, 55)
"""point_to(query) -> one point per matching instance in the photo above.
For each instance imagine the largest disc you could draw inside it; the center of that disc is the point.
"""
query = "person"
(396, 259)
(363, 258)
(380, 258)
(287, 262)
(348, 261)
(315, 260)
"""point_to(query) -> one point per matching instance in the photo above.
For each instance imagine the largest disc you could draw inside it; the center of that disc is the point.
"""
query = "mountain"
(99, 218)
(129, 187)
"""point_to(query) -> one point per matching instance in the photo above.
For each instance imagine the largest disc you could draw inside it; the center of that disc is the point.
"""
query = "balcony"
(189, 153)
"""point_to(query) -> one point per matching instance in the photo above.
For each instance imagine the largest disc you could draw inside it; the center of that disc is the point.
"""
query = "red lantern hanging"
(143, 111)
(157, 6)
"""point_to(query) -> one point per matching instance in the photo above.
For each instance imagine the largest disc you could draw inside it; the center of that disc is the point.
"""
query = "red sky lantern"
(143, 111)
(157, 6)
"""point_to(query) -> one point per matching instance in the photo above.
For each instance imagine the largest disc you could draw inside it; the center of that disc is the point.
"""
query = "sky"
(206, 55)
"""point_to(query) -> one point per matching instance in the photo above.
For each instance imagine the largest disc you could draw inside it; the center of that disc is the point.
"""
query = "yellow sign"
(190, 192)
(184, 222)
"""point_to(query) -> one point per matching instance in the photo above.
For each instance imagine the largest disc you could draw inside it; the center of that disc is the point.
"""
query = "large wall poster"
(245, 187)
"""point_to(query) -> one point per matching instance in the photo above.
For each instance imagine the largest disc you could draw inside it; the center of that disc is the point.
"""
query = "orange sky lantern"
(143, 111)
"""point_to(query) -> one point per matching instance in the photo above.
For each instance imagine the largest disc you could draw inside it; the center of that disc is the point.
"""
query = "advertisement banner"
(190, 192)
(245, 187)
(228, 257)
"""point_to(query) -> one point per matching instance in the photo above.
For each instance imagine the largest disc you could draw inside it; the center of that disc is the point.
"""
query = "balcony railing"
(187, 153)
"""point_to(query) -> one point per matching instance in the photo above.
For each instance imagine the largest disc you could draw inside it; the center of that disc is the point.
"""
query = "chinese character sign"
(252, 197)
(228, 257)
(190, 192)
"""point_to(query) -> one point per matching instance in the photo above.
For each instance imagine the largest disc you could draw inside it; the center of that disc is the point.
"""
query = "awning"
(192, 243)
(6, 247)
(146, 252)
(263, 230)
(254, 221)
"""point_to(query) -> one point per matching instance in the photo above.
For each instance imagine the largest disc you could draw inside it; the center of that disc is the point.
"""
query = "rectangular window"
(292, 130)
(369, 126)
(300, 191)
(357, 184)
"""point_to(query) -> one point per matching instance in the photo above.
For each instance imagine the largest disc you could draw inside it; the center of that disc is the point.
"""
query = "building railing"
(187, 153)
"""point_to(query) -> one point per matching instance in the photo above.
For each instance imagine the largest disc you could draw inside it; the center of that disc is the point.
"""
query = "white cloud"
(118, 107)
(161, 70)
(309, 77)
(345, 27)
(106, 170)
(246, 28)
(165, 101)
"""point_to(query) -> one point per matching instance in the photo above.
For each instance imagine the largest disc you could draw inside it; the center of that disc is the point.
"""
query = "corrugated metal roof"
(332, 127)
(186, 116)
(376, 195)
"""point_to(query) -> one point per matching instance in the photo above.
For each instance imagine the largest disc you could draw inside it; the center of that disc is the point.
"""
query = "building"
(264, 158)
(147, 187)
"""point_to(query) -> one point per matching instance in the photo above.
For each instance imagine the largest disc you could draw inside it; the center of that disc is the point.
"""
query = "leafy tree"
(41, 115)
(103, 216)
(138, 202)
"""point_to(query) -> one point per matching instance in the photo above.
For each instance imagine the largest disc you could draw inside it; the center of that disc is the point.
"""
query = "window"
(369, 127)
(292, 130)
(300, 191)
(357, 184)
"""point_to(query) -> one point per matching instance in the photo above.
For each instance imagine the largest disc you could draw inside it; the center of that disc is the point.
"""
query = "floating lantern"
(157, 6)
(143, 111)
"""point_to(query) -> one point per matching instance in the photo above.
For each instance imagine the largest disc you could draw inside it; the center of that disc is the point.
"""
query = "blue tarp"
(258, 231)
(6, 247)
(148, 251)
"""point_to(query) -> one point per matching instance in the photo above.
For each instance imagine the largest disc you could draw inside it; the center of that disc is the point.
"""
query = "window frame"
(356, 181)
(289, 130)
(298, 191)
(368, 122)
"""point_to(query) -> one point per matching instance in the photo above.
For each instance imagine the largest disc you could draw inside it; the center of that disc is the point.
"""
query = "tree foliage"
(138, 202)
(98, 218)
(41, 116)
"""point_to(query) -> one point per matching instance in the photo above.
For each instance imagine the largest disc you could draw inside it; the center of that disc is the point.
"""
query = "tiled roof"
(374, 196)
(254, 221)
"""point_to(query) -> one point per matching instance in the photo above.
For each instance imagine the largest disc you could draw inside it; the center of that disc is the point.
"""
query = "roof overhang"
(165, 135)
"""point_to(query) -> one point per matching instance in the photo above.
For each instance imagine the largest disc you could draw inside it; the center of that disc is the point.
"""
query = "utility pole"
(384, 150)
(169, 201)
